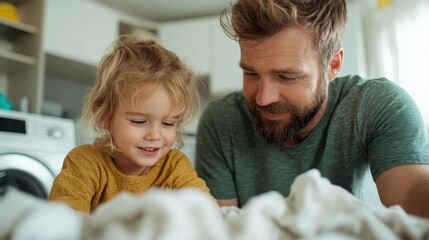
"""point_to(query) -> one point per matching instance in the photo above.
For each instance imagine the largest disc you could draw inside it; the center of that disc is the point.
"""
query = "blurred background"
(49, 48)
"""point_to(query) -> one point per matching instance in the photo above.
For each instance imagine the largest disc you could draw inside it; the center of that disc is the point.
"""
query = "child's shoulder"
(86, 150)
(175, 157)
(175, 153)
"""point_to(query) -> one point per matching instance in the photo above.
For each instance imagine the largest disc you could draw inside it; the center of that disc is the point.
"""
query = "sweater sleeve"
(77, 182)
(183, 175)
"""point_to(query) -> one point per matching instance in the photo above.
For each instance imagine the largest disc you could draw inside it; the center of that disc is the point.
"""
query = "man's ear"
(335, 64)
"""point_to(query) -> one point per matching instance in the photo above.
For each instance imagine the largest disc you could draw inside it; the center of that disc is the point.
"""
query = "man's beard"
(280, 131)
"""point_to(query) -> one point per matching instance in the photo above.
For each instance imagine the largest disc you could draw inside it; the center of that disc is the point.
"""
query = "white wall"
(353, 43)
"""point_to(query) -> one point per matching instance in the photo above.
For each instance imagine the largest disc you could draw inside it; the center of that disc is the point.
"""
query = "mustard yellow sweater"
(89, 177)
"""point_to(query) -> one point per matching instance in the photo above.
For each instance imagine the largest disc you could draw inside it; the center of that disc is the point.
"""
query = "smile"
(272, 116)
(150, 149)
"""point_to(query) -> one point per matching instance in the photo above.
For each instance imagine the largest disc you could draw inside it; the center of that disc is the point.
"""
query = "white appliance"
(189, 141)
(32, 150)
(189, 147)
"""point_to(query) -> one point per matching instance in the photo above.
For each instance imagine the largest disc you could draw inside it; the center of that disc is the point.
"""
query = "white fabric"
(315, 209)
(26, 217)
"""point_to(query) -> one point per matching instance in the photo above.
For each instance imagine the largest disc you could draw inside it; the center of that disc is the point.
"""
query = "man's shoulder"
(350, 82)
(226, 113)
(229, 99)
(227, 104)
(356, 88)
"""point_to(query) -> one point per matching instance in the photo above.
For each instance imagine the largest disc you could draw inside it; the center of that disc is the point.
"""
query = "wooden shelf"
(11, 30)
(10, 61)
(21, 59)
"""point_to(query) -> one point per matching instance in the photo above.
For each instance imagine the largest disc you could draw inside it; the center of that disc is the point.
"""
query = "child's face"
(143, 133)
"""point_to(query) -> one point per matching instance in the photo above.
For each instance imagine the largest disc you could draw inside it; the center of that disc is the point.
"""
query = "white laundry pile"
(315, 209)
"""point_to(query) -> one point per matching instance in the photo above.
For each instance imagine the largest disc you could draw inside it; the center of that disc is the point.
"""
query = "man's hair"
(259, 19)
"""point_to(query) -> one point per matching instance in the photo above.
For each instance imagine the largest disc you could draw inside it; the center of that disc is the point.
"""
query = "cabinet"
(202, 44)
(21, 58)
(49, 58)
(226, 75)
(190, 40)
(79, 30)
(77, 34)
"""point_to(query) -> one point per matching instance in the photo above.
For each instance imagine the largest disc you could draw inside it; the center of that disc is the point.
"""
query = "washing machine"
(32, 150)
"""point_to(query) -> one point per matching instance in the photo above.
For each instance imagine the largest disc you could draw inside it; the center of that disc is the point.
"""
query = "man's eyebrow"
(244, 66)
(287, 71)
(290, 71)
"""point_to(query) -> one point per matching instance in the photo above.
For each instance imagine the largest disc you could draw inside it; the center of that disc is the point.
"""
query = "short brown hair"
(135, 67)
(258, 19)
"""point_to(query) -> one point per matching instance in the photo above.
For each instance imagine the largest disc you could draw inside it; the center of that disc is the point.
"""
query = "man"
(294, 114)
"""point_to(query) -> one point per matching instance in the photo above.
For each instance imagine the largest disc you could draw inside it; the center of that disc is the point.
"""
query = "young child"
(142, 96)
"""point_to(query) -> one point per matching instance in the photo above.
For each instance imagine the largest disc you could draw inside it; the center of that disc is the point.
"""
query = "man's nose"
(268, 92)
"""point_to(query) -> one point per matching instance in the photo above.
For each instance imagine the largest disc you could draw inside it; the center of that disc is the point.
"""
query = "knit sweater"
(89, 177)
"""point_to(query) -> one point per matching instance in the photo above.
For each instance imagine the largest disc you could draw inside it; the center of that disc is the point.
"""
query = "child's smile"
(143, 132)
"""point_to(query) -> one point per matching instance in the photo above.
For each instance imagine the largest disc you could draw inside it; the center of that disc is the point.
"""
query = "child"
(142, 97)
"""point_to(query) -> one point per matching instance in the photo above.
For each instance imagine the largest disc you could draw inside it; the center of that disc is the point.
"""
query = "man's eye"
(249, 74)
(284, 78)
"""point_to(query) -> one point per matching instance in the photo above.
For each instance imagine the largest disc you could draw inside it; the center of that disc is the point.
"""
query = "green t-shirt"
(369, 126)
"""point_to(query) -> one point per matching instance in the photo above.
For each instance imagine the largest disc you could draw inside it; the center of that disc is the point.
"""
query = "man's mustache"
(274, 108)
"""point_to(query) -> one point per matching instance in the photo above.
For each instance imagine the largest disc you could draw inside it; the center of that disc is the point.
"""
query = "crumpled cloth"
(315, 209)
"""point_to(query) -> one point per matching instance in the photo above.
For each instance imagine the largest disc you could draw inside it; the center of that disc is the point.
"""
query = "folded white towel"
(50, 222)
(315, 209)
(27, 217)
(158, 214)
(14, 206)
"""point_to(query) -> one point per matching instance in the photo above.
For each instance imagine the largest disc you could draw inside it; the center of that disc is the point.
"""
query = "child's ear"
(105, 124)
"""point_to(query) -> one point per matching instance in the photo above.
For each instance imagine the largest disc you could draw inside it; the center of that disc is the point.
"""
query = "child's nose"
(154, 133)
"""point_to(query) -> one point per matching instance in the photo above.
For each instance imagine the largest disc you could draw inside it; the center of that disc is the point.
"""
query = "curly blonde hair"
(135, 67)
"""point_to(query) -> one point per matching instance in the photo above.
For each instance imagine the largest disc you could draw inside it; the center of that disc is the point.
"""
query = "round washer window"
(26, 174)
(23, 181)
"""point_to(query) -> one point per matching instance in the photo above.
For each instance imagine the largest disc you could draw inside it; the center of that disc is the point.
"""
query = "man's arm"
(227, 202)
(407, 186)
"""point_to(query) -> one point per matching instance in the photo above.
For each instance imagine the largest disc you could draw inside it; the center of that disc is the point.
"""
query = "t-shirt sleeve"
(77, 182)
(212, 164)
(392, 129)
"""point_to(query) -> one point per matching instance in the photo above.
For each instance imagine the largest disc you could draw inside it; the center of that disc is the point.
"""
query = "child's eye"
(169, 124)
(138, 121)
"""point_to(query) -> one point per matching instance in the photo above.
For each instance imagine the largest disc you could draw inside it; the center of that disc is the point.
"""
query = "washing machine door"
(26, 174)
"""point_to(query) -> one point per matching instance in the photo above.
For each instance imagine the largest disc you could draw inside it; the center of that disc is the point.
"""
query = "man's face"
(283, 83)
